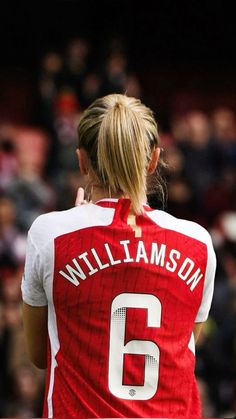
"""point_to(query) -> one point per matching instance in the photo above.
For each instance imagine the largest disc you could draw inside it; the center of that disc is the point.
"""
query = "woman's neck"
(99, 192)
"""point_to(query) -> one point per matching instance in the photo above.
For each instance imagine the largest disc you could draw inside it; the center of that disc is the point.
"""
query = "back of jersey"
(123, 294)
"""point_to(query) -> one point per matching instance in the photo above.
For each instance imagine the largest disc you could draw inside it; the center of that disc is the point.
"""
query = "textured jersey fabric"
(122, 300)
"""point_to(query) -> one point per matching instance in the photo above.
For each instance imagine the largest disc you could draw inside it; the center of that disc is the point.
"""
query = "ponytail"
(119, 133)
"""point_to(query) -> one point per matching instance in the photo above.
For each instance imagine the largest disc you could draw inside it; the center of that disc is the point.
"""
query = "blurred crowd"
(39, 173)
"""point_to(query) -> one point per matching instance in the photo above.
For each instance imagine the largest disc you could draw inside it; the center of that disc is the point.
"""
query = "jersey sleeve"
(208, 288)
(32, 289)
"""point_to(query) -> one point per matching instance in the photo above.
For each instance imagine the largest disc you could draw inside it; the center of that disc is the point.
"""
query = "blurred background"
(177, 57)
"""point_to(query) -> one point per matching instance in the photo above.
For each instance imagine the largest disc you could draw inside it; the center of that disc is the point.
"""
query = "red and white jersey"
(123, 294)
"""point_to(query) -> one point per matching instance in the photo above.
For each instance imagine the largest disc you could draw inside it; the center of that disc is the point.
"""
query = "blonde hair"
(119, 133)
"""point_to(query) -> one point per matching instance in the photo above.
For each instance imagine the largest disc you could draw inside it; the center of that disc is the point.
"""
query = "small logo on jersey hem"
(132, 392)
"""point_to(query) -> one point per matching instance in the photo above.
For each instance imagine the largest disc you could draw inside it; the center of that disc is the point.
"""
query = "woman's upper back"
(116, 284)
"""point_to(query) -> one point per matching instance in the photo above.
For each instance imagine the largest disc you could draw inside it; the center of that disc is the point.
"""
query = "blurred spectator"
(8, 162)
(75, 65)
(224, 133)
(115, 74)
(27, 387)
(66, 115)
(91, 88)
(29, 190)
(48, 84)
(12, 240)
(132, 86)
(199, 152)
(180, 129)
(220, 195)
(181, 199)
(11, 289)
(176, 162)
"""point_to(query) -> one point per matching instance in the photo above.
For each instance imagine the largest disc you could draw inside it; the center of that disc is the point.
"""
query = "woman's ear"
(83, 160)
(154, 160)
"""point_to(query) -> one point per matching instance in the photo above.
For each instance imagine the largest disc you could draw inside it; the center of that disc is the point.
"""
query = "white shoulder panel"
(189, 228)
(51, 225)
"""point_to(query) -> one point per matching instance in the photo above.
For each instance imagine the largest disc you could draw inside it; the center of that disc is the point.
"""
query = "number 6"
(138, 347)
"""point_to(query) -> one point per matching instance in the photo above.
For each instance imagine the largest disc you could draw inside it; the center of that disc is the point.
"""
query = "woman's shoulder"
(180, 225)
(49, 219)
(50, 225)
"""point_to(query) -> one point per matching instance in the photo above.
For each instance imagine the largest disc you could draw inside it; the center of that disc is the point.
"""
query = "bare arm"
(35, 328)
(197, 330)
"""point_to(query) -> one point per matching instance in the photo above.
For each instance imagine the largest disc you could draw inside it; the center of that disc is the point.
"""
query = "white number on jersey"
(137, 347)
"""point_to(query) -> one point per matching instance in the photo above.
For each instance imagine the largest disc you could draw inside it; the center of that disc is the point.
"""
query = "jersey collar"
(110, 202)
